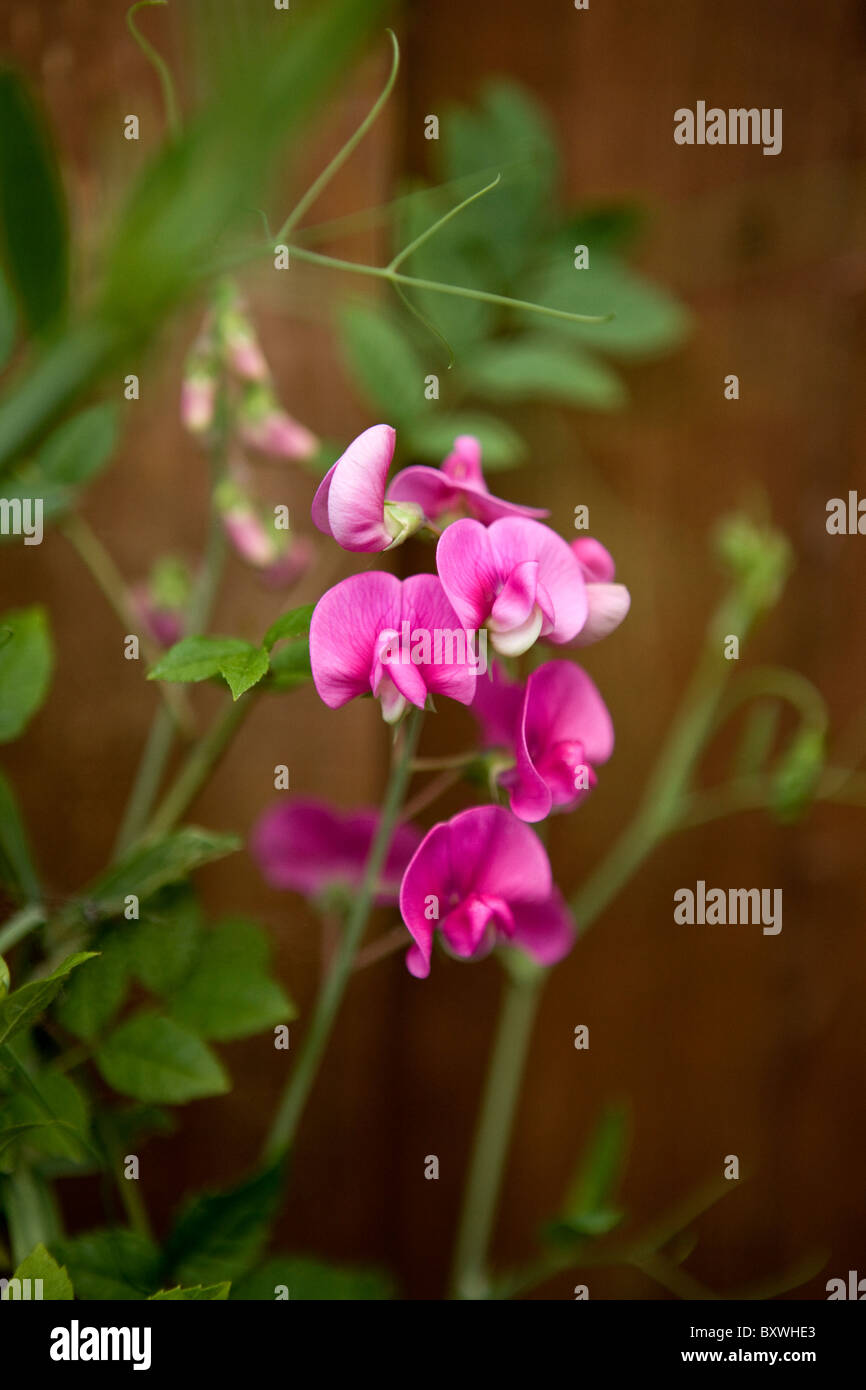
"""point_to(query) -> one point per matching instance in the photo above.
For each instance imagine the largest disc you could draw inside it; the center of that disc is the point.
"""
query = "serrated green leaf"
(145, 870)
(382, 359)
(198, 658)
(25, 668)
(198, 1294)
(220, 1235)
(32, 206)
(432, 438)
(23, 1006)
(538, 368)
(77, 450)
(293, 624)
(244, 670)
(65, 1135)
(56, 1284)
(308, 1280)
(17, 869)
(153, 1058)
(229, 993)
(110, 1265)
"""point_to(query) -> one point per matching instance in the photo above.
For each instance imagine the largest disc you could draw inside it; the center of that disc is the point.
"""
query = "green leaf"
(64, 1136)
(290, 666)
(32, 207)
(539, 368)
(230, 993)
(17, 870)
(433, 438)
(605, 226)
(11, 1134)
(647, 322)
(244, 670)
(144, 870)
(308, 1280)
(96, 992)
(220, 1235)
(23, 1006)
(198, 658)
(25, 668)
(80, 447)
(164, 945)
(213, 1293)
(588, 1209)
(152, 1058)
(293, 624)
(382, 359)
(8, 321)
(109, 1265)
(56, 1284)
(5, 978)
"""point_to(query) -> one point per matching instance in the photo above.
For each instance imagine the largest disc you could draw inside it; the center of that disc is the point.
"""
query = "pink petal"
(497, 706)
(596, 562)
(515, 602)
(564, 704)
(426, 889)
(345, 633)
(513, 541)
(427, 488)
(608, 605)
(496, 854)
(463, 464)
(350, 501)
(546, 930)
(426, 606)
(469, 571)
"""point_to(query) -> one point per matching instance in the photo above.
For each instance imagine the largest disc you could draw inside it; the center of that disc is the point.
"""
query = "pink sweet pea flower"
(608, 602)
(308, 847)
(458, 486)
(481, 878)
(399, 640)
(558, 729)
(517, 577)
(276, 433)
(350, 504)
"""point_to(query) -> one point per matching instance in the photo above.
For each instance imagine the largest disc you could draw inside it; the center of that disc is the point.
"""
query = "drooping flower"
(160, 602)
(608, 602)
(350, 504)
(516, 577)
(399, 640)
(309, 847)
(556, 727)
(280, 557)
(458, 486)
(268, 429)
(481, 878)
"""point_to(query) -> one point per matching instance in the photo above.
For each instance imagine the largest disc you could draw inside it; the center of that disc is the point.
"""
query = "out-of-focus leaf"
(229, 993)
(605, 226)
(25, 668)
(308, 1280)
(17, 870)
(96, 991)
(32, 207)
(62, 1099)
(539, 368)
(80, 447)
(451, 257)
(23, 1006)
(293, 624)
(143, 871)
(588, 1209)
(56, 1284)
(8, 321)
(164, 944)
(647, 320)
(223, 1233)
(383, 360)
(290, 666)
(110, 1265)
(155, 1059)
(433, 438)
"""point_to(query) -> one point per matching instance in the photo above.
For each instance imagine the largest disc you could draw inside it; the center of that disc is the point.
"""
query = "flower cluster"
(226, 363)
(482, 878)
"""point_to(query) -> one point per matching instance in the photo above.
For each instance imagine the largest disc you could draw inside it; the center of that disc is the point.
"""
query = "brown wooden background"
(725, 1041)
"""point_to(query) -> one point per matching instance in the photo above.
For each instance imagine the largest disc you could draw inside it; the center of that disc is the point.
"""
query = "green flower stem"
(198, 767)
(24, 921)
(161, 736)
(519, 1005)
(300, 1083)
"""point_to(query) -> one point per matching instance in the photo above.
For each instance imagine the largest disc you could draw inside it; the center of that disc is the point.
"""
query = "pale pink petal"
(608, 605)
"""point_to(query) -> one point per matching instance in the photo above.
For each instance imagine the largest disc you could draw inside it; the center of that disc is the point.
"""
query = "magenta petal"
(452, 671)
(514, 540)
(497, 705)
(608, 605)
(350, 501)
(345, 632)
(469, 572)
(425, 894)
(563, 704)
(428, 488)
(463, 464)
(496, 855)
(545, 930)
(515, 602)
(464, 929)
(596, 562)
